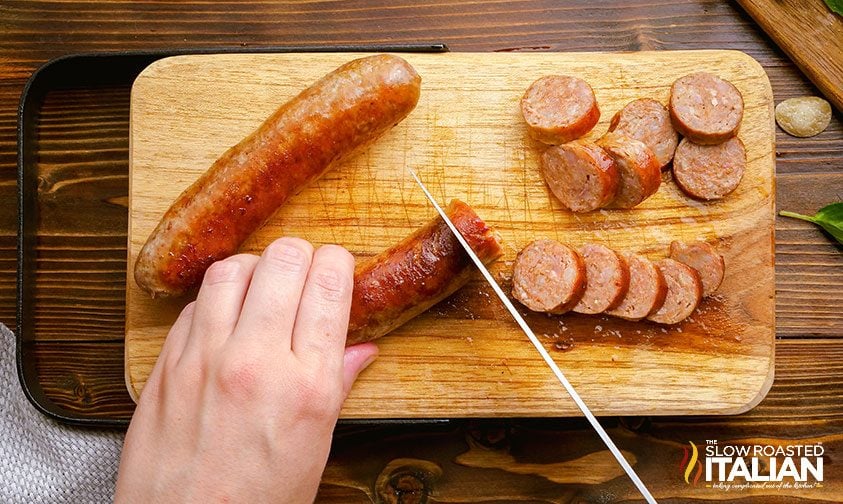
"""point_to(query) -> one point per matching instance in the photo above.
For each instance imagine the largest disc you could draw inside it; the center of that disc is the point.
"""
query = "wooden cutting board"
(810, 34)
(466, 139)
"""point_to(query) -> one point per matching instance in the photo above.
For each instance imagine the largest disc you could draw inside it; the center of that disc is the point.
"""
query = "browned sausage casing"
(346, 109)
(425, 268)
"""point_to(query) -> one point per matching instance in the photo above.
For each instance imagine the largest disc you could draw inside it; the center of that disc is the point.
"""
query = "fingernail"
(368, 361)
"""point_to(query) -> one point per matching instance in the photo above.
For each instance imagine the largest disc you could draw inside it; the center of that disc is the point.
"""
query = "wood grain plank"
(83, 377)
(809, 264)
(810, 34)
(80, 217)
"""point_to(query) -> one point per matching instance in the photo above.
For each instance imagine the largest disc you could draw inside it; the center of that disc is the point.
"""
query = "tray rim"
(31, 94)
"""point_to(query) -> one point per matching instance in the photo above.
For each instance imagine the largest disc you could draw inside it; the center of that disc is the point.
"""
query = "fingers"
(218, 304)
(356, 359)
(269, 311)
(322, 321)
(177, 337)
(172, 349)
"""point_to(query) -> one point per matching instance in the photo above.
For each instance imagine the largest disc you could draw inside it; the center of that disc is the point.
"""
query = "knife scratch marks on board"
(374, 192)
(508, 209)
(326, 208)
(402, 184)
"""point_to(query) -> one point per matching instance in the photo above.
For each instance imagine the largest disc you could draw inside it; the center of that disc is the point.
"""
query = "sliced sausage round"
(702, 257)
(647, 289)
(548, 277)
(607, 279)
(559, 108)
(648, 121)
(581, 175)
(705, 108)
(684, 292)
(639, 175)
(709, 172)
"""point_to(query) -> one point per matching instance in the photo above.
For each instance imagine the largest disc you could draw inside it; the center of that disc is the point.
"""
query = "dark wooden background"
(82, 238)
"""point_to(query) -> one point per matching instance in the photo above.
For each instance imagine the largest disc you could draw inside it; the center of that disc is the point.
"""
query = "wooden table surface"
(79, 339)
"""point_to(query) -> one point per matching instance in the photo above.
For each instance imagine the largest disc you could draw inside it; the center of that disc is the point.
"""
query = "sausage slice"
(684, 292)
(638, 171)
(559, 108)
(648, 121)
(548, 277)
(709, 172)
(647, 289)
(705, 108)
(702, 257)
(607, 279)
(581, 175)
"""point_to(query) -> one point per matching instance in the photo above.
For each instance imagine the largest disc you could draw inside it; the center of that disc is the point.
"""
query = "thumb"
(355, 360)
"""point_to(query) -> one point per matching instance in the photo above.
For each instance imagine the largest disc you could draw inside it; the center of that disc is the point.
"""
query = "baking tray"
(86, 71)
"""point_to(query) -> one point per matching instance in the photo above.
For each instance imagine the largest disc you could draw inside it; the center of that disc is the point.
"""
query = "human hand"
(243, 399)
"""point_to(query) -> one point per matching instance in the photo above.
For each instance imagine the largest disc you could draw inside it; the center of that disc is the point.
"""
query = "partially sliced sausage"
(709, 172)
(647, 289)
(639, 175)
(416, 273)
(648, 121)
(684, 292)
(705, 108)
(559, 108)
(581, 175)
(548, 277)
(607, 279)
(702, 257)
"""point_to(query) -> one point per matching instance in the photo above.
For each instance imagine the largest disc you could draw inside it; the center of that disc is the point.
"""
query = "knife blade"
(536, 343)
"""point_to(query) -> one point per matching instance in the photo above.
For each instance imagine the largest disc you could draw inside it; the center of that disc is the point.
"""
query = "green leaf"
(829, 218)
(835, 6)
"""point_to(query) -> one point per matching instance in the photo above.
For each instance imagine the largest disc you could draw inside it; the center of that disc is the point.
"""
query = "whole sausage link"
(345, 110)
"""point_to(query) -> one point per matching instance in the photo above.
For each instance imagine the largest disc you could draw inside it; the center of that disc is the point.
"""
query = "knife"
(550, 362)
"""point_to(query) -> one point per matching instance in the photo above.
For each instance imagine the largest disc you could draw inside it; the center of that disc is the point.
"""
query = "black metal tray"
(117, 71)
